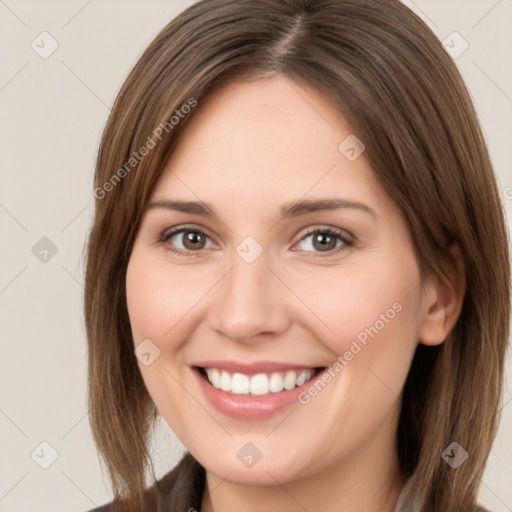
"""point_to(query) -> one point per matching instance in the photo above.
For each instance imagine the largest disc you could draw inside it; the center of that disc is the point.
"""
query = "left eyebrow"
(305, 206)
(289, 210)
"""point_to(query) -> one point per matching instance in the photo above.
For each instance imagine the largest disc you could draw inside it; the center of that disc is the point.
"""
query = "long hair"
(388, 74)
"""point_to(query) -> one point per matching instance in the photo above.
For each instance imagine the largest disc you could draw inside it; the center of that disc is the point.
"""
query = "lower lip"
(247, 407)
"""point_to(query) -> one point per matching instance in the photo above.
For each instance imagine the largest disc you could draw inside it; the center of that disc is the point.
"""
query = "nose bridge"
(251, 300)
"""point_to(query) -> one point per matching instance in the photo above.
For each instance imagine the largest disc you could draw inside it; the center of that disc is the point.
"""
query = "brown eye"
(325, 240)
(186, 240)
(193, 240)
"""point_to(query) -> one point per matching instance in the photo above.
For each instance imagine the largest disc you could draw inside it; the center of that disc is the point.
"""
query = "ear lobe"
(443, 298)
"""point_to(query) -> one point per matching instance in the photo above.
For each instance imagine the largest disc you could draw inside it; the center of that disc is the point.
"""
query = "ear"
(443, 299)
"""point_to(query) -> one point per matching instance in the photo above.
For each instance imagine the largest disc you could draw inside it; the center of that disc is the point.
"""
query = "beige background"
(52, 112)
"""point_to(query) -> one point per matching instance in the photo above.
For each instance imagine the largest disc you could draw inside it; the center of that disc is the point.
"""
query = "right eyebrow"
(197, 207)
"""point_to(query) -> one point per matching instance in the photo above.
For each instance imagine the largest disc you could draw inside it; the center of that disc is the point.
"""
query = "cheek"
(369, 319)
(160, 299)
(367, 306)
(160, 304)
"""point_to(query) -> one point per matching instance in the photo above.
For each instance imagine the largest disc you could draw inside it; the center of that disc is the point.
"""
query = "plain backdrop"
(52, 111)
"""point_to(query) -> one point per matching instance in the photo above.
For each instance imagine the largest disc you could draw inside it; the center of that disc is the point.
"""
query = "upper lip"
(254, 367)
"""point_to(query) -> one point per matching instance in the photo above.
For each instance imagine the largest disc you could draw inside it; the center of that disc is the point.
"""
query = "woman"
(299, 260)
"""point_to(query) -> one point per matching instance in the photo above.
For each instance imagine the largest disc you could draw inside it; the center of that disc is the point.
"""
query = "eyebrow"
(289, 210)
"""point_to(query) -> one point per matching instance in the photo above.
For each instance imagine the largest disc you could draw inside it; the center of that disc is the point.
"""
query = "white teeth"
(225, 381)
(240, 384)
(276, 383)
(301, 378)
(259, 384)
(290, 380)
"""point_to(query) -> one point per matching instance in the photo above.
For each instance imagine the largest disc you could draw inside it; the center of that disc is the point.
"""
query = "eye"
(186, 240)
(325, 240)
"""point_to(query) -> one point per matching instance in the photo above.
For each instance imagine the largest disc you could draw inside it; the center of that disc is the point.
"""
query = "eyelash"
(347, 242)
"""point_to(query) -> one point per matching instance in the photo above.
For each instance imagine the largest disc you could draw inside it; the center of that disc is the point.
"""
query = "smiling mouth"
(259, 384)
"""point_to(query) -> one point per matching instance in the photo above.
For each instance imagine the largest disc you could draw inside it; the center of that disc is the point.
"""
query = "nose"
(251, 303)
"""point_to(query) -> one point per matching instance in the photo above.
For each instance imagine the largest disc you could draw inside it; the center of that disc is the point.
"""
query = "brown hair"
(404, 98)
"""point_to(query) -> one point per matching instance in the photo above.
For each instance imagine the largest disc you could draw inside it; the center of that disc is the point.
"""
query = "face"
(303, 313)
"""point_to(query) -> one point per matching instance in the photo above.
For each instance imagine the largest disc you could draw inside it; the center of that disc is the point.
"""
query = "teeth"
(214, 377)
(240, 383)
(225, 381)
(301, 378)
(259, 384)
(276, 383)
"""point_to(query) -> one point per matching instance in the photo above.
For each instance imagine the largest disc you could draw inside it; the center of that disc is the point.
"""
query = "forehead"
(254, 143)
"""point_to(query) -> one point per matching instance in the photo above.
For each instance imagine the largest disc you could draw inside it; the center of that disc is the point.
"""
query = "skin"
(250, 148)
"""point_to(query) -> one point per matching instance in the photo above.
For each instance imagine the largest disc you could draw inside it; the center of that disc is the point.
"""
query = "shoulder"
(178, 490)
